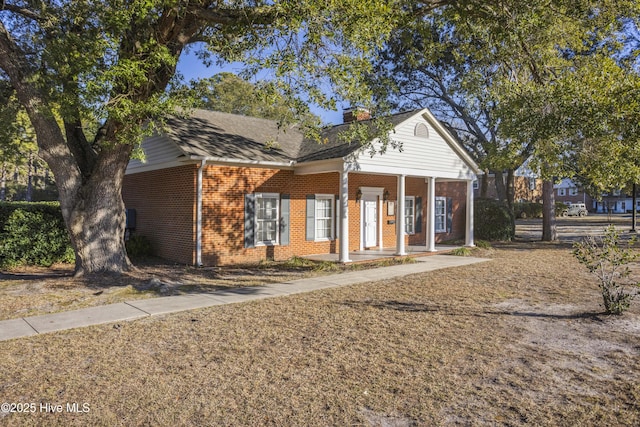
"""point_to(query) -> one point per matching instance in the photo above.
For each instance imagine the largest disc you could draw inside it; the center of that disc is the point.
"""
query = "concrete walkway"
(130, 310)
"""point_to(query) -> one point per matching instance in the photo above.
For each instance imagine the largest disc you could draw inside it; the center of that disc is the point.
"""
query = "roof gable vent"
(421, 130)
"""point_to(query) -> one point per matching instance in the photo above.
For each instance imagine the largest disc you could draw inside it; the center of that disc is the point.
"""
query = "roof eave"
(244, 162)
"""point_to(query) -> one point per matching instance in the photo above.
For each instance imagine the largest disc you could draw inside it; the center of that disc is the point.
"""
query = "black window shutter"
(449, 214)
(249, 220)
(311, 217)
(285, 207)
(418, 212)
(337, 218)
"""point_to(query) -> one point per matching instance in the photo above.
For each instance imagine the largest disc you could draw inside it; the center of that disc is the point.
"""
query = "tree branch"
(50, 140)
(27, 13)
(230, 16)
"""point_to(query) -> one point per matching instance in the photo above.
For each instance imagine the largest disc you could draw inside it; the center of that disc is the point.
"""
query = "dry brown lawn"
(520, 340)
(31, 291)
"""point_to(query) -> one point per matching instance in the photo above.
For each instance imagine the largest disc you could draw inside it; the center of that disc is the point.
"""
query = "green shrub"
(463, 251)
(296, 262)
(527, 210)
(493, 220)
(138, 247)
(482, 244)
(33, 234)
(607, 259)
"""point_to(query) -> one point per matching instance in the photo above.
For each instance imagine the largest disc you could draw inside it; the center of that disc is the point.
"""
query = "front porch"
(423, 190)
(376, 254)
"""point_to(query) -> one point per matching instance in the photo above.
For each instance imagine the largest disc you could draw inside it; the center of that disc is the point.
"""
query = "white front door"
(370, 223)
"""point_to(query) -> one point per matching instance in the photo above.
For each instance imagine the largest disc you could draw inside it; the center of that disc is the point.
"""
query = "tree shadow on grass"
(413, 307)
(51, 274)
(393, 305)
(525, 245)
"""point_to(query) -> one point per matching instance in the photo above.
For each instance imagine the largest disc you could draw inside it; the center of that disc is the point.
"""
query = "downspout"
(199, 214)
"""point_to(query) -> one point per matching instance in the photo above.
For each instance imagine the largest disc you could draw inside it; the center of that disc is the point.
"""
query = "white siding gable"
(160, 152)
(417, 155)
(565, 183)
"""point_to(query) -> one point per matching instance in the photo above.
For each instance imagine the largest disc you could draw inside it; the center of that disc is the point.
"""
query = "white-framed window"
(573, 191)
(324, 216)
(441, 215)
(267, 218)
(532, 184)
(475, 184)
(562, 191)
(410, 215)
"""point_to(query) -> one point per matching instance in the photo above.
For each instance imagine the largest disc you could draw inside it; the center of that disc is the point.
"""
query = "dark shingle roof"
(334, 148)
(214, 134)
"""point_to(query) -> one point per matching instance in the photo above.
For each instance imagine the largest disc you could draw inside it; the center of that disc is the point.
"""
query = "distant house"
(221, 189)
(527, 186)
(567, 191)
(615, 202)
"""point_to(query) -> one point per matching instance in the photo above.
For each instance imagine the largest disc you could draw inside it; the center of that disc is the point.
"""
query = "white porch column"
(400, 249)
(199, 214)
(343, 255)
(380, 223)
(469, 229)
(431, 214)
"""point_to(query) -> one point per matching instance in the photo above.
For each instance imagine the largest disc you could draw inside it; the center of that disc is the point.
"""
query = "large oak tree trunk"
(95, 216)
(484, 186)
(549, 232)
(501, 189)
(511, 191)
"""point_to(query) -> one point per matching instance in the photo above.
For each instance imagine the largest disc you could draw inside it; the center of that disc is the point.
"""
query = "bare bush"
(608, 258)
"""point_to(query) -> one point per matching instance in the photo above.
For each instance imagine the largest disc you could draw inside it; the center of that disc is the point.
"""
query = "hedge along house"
(224, 189)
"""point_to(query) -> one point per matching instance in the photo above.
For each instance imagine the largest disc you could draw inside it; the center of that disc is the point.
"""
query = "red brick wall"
(224, 189)
(458, 192)
(521, 190)
(165, 202)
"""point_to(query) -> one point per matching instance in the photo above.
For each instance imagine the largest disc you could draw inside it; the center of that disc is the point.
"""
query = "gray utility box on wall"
(131, 219)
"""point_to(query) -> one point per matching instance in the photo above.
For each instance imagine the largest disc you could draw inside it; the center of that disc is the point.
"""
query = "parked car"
(575, 209)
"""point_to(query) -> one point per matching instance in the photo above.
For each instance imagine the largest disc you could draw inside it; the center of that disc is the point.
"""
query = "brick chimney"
(355, 114)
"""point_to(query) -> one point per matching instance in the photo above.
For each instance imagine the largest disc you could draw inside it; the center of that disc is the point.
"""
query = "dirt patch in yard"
(520, 340)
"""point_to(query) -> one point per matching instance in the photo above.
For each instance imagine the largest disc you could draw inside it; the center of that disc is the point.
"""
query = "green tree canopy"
(429, 64)
(230, 93)
(553, 76)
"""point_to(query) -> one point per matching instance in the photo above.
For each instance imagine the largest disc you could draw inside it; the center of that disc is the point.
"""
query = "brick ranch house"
(224, 189)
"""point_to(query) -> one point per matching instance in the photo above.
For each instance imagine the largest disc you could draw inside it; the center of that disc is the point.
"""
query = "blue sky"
(193, 68)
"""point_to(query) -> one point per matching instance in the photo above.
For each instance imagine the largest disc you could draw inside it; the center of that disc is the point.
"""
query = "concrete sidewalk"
(130, 310)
